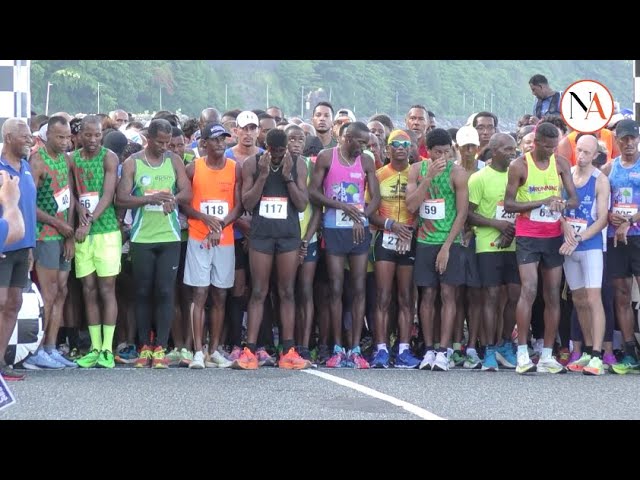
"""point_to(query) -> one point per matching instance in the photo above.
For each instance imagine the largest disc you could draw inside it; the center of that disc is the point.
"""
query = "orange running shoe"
(293, 361)
(246, 361)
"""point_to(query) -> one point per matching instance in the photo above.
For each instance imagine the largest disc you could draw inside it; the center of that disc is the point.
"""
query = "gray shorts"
(50, 255)
(214, 266)
(14, 269)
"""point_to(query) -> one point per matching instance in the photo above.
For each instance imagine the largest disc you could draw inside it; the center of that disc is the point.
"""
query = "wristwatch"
(578, 237)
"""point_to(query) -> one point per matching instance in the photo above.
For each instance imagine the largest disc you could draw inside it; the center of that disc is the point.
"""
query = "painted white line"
(409, 407)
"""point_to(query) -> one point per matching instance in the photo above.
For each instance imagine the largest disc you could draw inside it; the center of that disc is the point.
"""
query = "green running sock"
(107, 340)
(95, 332)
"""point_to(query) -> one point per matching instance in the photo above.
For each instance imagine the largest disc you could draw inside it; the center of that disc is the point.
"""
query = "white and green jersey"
(150, 224)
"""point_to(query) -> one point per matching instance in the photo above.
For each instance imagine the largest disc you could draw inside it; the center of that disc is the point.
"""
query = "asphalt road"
(325, 394)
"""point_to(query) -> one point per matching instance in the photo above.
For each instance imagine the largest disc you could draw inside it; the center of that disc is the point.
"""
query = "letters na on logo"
(586, 106)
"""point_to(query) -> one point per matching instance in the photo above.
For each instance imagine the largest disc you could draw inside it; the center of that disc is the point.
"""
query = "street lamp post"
(46, 108)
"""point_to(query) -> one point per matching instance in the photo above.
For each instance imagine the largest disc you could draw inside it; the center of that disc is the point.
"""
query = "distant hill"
(453, 89)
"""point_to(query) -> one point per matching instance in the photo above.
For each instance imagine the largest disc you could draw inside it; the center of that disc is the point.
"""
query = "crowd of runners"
(245, 239)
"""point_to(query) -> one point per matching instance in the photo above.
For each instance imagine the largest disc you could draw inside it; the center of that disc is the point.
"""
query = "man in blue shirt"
(15, 267)
(11, 223)
(547, 100)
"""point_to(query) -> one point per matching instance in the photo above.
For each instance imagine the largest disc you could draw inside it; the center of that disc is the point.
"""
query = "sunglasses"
(397, 144)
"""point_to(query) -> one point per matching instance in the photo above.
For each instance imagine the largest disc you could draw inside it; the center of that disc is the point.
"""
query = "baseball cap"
(246, 118)
(627, 127)
(345, 112)
(214, 130)
(467, 135)
(614, 120)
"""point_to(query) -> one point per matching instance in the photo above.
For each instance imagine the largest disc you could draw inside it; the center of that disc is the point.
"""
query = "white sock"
(471, 352)
(546, 353)
(402, 347)
(382, 346)
(523, 349)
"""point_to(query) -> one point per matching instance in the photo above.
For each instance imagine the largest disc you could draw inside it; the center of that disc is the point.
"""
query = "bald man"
(583, 264)
(18, 256)
(118, 117)
(208, 115)
(495, 248)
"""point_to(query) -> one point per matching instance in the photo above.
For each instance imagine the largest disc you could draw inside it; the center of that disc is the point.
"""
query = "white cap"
(345, 112)
(467, 135)
(247, 118)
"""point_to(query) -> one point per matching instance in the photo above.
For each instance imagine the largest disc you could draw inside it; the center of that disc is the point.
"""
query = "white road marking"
(409, 407)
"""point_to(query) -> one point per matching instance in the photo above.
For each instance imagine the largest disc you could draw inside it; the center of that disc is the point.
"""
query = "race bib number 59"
(433, 209)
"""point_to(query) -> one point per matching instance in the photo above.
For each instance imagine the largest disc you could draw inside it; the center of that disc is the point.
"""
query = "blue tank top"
(586, 213)
(625, 192)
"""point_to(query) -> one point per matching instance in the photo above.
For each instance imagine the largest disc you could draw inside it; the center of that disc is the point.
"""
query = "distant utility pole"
(396, 104)
(301, 101)
(491, 109)
(637, 90)
(98, 98)
(46, 108)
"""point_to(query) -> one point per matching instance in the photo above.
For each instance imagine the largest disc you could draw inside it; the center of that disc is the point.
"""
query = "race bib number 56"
(89, 200)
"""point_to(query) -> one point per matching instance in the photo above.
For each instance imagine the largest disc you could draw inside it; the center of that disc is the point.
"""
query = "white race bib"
(579, 225)
(63, 199)
(502, 215)
(273, 207)
(89, 200)
(390, 240)
(300, 216)
(153, 208)
(214, 208)
(344, 220)
(432, 209)
(544, 215)
(625, 209)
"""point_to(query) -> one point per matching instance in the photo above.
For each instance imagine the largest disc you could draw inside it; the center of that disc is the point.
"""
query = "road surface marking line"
(411, 408)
